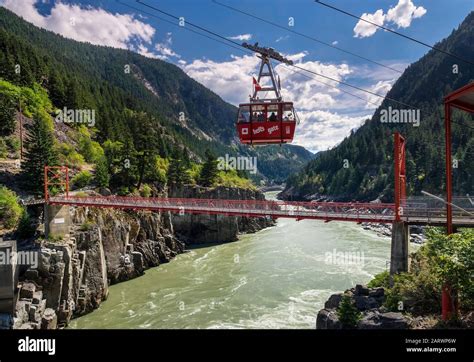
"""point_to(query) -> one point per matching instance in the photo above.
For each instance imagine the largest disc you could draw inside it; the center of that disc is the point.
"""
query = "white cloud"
(401, 14)
(335, 42)
(242, 37)
(230, 79)
(86, 24)
(321, 130)
(381, 87)
(164, 49)
(279, 39)
(364, 29)
(143, 50)
(404, 12)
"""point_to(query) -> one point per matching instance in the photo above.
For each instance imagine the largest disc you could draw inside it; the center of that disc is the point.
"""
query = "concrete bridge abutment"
(57, 220)
(399, 248)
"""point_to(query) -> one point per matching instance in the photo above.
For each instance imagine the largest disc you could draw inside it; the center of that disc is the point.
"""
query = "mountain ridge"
(368, 150)
(93, 76)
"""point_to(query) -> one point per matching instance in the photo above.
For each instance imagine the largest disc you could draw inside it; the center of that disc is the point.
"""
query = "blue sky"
(327, 114)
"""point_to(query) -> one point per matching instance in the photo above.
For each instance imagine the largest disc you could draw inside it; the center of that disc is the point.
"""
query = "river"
(277, 278)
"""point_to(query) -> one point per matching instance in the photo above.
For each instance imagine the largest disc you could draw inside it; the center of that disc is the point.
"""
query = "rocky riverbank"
(369, 302)
(108, 246)
(417, 233)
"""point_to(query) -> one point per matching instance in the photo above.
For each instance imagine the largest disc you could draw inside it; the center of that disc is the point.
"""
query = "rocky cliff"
(104, 247)
(195, 229)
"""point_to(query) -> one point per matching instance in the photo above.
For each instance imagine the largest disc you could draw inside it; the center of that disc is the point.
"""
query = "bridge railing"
(353, 211)
(431, 209)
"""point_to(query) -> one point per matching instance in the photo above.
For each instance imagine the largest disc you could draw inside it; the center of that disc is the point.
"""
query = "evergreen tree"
(102, 177)
(177, 169)
(71, 95)
(56, 90)
(209, 170)
(347, 312)
(7, 116)
(40, 152)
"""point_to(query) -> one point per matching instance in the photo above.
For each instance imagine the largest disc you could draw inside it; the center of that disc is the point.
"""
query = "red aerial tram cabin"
(266, 123)
(270, 120)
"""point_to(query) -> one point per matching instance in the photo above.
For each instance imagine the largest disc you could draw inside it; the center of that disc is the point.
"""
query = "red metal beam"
(449, 191)
(56, 176)
(400, 174)
(468, 88)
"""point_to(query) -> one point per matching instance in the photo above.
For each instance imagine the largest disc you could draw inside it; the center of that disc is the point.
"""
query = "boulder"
(31, 274)
(388, 320)
(333, 301)
(104, 191)
(37, 297)
(377, 293)
(361, 302)
(49, 320)
(361, 290)
(27, 290)
(327, 319)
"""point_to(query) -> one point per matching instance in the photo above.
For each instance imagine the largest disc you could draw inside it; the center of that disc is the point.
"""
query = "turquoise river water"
(276, 278)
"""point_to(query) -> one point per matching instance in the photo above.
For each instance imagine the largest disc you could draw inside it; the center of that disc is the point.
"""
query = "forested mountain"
(369, 149)
(147, 104)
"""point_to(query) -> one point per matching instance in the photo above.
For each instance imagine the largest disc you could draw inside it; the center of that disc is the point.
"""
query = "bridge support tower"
(400, 229)
(57, 219)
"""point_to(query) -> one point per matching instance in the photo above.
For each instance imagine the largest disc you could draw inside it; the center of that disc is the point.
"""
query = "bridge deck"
(327, 211)
(355, 212)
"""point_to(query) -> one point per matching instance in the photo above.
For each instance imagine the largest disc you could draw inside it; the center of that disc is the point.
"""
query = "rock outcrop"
(369, 302)
(198, 229)
(104, 247)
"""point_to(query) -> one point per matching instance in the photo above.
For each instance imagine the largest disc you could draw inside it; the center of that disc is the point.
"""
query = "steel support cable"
(306, 36)
(240, 48)
(330, 85)
(296, 66)
(394, 32)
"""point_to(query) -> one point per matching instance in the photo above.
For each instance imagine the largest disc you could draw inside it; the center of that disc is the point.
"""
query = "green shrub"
(442, 259)
(3, 148)
(380, 280)
(69, 156)
(123, 191)
(451, 261)
(231, 178)
(25, 229)
(86, 226)
(54, 238)
(10, 209)
(82, 179)
(145, 191)
(13, 143)
(348, 313)
(91, 150)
